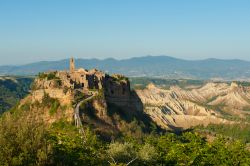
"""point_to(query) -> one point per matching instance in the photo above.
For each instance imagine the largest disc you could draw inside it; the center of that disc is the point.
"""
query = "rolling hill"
(148, 66)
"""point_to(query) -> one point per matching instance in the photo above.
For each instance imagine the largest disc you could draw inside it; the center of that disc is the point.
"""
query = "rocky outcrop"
(63, 84)
(117, 90)
(182, 108)
(64, 89)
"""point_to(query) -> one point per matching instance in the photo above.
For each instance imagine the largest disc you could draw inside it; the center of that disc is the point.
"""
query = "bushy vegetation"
(48, 76)
(119, 78)
(54, 107)
(22, 139)
(51, 103)
(100, 94)
(235, 131)
(26, 141)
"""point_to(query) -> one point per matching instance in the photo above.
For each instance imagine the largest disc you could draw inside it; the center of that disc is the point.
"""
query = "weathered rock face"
(42, 112)
(181, 108)
(117, 90)
(64, 98)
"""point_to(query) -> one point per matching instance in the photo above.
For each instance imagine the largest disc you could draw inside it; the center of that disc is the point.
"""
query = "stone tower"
(72, 65)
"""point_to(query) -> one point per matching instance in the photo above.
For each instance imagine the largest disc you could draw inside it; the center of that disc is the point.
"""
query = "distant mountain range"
(148, 66)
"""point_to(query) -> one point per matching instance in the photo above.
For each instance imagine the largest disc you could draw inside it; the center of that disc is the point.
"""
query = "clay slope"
(180, 108)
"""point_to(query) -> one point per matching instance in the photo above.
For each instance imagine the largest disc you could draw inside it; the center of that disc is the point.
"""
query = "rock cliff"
(181, 108)
(112, 107)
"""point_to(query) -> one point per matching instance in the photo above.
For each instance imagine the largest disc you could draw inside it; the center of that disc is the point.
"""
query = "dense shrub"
(26, 141)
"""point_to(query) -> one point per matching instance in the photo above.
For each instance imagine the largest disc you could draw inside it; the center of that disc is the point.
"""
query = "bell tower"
(72, 65)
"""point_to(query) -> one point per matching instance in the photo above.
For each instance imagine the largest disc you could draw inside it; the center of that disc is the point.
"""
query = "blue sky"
(34, 30)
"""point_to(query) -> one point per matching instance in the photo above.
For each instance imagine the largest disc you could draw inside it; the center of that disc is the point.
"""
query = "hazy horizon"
(33, 31)
(126, 58)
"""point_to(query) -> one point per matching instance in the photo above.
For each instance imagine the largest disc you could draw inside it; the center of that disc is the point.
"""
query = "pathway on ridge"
(78, 122)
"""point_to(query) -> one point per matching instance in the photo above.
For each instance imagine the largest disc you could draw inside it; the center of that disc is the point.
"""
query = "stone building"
(72, 65)
(81, 78)
(116, 87)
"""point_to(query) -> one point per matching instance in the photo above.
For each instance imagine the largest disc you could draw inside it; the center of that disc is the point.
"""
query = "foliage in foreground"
(235, 131)
(25, 140)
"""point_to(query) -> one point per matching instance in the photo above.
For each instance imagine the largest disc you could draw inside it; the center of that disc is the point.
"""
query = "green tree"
(22, 140)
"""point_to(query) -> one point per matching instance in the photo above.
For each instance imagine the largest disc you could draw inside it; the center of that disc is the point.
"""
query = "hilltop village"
(62, 84)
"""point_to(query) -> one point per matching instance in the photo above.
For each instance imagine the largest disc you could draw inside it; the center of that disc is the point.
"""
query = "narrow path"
(78, 122)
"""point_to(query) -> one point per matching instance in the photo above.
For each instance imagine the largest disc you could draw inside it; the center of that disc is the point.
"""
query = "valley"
(89, 116)
(12, 90)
